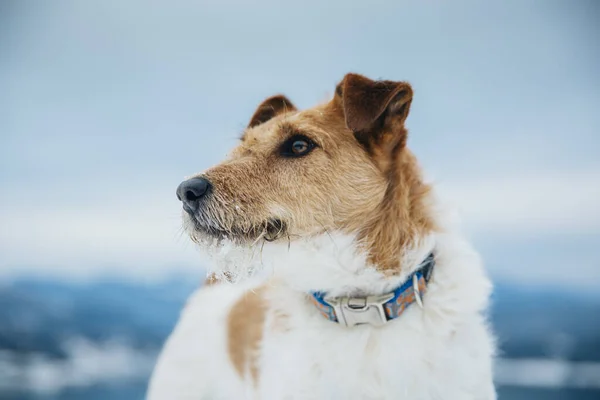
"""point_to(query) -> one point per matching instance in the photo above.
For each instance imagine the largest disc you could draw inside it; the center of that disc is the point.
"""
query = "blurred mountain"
(38, 316)
(63, 341)
(534, 322)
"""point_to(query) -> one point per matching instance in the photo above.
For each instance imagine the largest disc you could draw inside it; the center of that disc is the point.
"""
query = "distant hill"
(546, 322)
(99, 340)
(37, 316)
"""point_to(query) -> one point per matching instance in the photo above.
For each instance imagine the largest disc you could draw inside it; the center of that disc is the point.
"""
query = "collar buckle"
(351, 311)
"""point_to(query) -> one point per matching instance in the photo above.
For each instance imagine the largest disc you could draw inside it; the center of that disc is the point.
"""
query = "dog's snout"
(191, 191)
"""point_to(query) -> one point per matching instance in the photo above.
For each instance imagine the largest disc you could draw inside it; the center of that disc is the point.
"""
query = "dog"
(336, 272)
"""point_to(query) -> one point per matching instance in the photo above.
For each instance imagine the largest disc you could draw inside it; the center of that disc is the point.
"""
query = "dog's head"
(341, 166)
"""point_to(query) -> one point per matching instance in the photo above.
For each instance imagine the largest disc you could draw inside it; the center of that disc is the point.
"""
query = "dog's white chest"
(402, 360)
(440, 351)
(309, 357)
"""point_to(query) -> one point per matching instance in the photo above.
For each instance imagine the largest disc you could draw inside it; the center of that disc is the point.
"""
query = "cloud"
(145, 241)
(529, 203)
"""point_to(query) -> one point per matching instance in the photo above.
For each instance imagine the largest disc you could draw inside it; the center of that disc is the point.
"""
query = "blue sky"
(106, 106)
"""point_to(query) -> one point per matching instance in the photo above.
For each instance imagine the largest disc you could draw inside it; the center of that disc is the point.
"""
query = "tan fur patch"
(211, 279)
(245, 325)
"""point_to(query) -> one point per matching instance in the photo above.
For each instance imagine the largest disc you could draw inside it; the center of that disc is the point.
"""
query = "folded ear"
(375, 110)
(270, 108)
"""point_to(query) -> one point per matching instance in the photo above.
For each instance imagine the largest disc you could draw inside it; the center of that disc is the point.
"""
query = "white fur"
(443, 351)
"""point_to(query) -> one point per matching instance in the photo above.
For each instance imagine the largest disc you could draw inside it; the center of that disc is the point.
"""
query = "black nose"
(191, 191)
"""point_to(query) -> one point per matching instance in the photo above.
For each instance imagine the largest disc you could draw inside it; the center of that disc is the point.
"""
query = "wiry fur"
(353, 217)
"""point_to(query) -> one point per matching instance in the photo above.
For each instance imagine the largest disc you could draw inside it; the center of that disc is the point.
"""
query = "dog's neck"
(332, 263)
(403, 217)
(337, 265)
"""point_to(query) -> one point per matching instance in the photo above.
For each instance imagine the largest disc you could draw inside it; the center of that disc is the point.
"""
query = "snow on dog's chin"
(318, 258)
(231, 261)
(314, 255)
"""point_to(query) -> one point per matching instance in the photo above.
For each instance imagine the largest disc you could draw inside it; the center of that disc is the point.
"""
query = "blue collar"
(377, 310)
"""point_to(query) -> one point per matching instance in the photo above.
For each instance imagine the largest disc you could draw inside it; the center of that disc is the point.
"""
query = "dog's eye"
(297, 146)
(300, 147)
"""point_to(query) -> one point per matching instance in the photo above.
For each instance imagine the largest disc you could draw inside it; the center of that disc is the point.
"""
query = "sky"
(105, 106)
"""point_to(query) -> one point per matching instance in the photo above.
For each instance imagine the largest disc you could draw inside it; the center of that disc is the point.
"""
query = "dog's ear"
(375, 110)
(270, 108)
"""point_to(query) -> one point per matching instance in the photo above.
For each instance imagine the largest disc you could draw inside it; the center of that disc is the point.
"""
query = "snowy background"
(105, 106)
